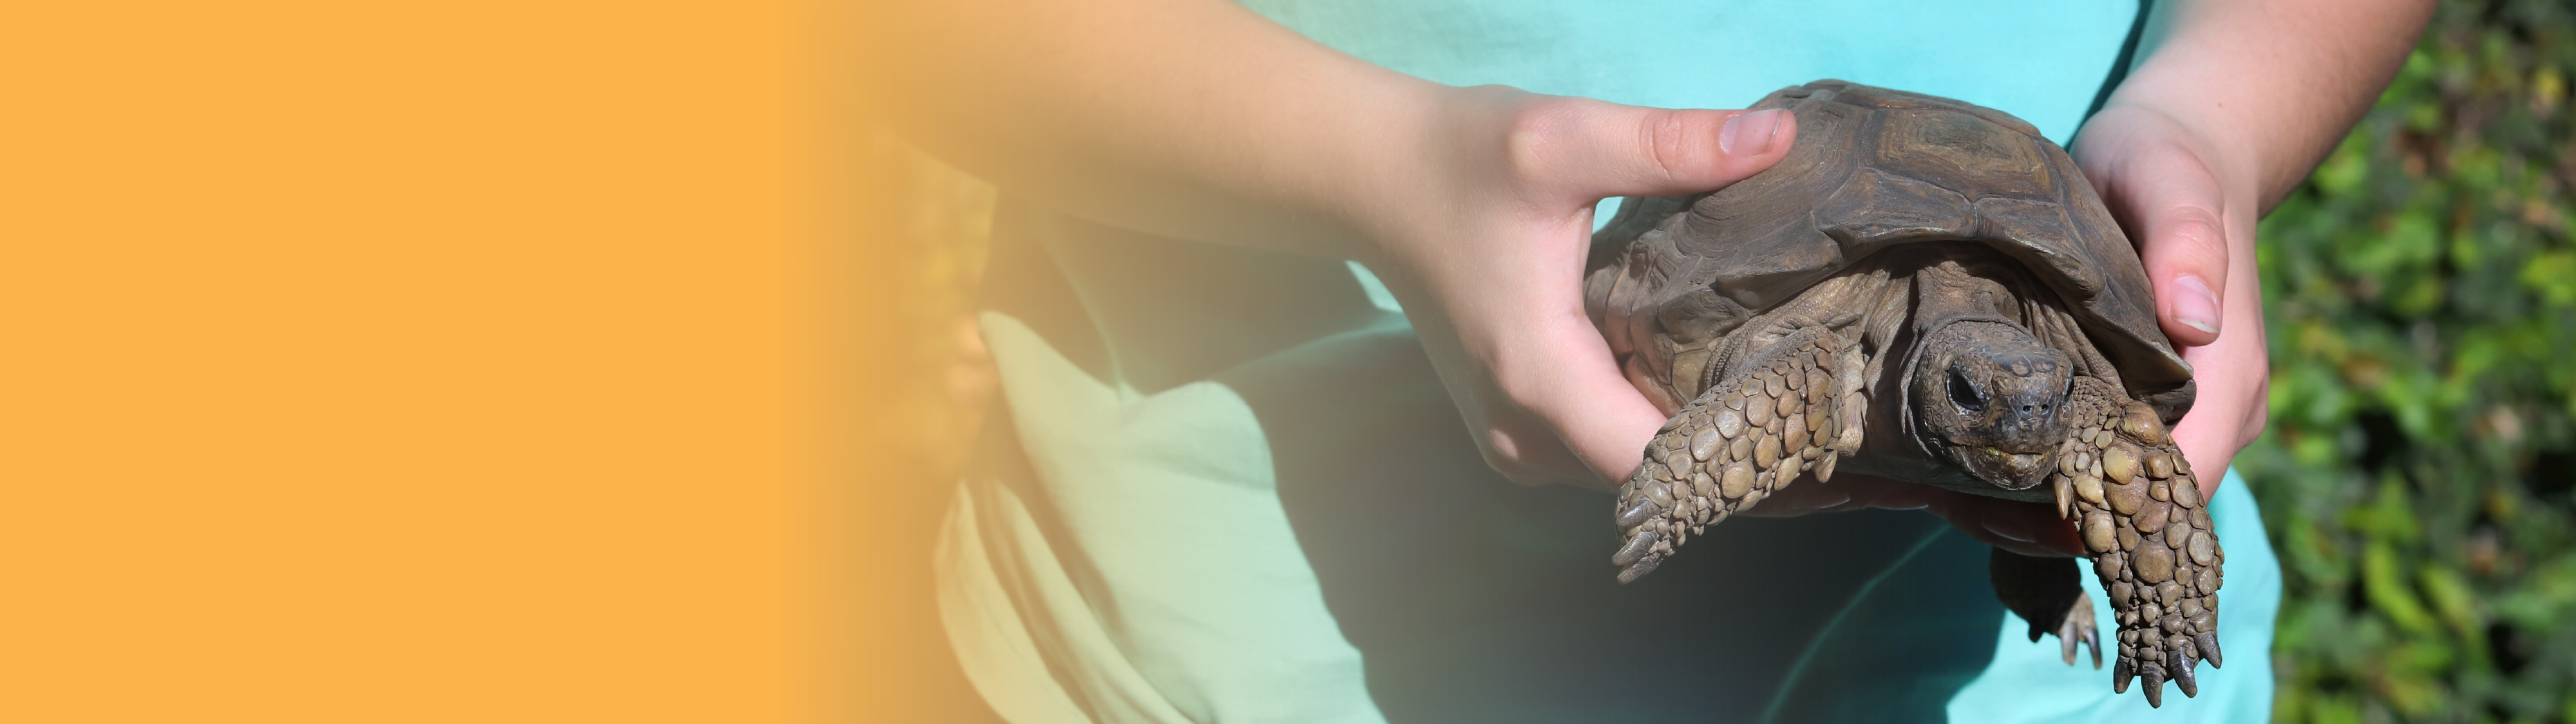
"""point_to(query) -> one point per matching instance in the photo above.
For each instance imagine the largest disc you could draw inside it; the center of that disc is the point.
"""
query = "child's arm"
(2231, 104)
(1200, 119)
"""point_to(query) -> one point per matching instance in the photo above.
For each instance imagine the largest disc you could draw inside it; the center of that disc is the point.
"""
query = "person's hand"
(2192, 218)
(2227, 113)
(1484, 245)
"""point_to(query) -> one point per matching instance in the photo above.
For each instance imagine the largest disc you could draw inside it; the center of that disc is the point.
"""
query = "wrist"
(2273, 85)
(2200, 127)
(1439, 151)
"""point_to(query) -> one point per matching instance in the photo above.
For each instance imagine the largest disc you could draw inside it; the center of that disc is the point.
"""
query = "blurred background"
(2419, 472)
(2421, 294)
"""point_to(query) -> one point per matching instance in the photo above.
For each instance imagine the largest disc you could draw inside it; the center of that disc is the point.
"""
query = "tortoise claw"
(2078, 629)
(2183, 677)
(2155, 684)
(1639, 513)
(1640, 568)
(2207, 642)
(2079, 632)
(2120, 674)
(2093, 642)
(1636, 550)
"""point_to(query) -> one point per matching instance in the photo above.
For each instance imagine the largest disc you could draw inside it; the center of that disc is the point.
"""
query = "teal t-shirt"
(1232, 489)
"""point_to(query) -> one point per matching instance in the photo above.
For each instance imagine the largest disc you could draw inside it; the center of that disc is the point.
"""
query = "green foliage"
(2421, 294)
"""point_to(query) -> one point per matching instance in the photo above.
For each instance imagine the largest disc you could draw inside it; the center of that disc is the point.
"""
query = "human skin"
(1199, 119)
(2231, 106)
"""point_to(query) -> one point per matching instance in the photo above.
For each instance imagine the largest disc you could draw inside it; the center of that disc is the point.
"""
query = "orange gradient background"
(456, 361)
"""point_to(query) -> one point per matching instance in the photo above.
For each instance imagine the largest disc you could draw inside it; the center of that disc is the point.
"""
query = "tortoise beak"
(2025, 467)
(2019, 471)
(2024, 464)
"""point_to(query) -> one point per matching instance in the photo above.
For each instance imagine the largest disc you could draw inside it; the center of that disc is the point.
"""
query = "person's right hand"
(1483, 240)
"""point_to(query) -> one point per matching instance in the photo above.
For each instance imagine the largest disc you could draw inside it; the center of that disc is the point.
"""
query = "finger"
(2172, 201)
(1804, 498)
(2233, 376)
(1894, 495)
(1527, 452)
(1592, 409)
(1551, 360)
(1503, 404)
(2035, 526)
(2027, 528)
(1602, 149)
(1848, 491)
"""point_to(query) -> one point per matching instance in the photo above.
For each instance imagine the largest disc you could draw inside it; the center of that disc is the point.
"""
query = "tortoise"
(1927, 291)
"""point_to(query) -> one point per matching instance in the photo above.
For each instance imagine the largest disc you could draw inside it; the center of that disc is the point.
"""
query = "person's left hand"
(2191, 215)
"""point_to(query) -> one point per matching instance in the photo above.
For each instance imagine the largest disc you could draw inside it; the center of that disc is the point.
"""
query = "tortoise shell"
(1875, 169)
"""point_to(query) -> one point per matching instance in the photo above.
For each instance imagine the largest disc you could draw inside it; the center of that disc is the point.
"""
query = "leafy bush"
(2421, 294)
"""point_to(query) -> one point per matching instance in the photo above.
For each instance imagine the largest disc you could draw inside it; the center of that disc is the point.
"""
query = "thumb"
(1606, 149)
(2172, 202)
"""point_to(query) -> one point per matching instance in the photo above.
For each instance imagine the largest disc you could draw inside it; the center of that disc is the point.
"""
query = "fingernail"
(2195, 307)
(1749, 134)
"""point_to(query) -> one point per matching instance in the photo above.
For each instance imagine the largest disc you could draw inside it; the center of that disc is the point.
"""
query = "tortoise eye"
(1964, 394)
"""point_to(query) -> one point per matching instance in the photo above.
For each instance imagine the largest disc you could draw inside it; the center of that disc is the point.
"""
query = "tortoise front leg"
(2143, 521)
(1752, 433)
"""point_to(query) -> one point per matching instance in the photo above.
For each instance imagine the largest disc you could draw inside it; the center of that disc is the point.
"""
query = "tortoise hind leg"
(2046, 593)
(2140, 513)
(1751, 433)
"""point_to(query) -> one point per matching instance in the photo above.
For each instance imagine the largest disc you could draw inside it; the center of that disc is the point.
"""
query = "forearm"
(2230, 105)
(1201, 120)
(1190, 118)
(2275, 84)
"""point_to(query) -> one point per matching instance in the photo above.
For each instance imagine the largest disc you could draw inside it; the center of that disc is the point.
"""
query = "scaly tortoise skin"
(1948, 266)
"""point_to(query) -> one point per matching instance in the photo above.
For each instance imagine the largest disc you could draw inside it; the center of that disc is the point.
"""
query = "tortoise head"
(1986, 396)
